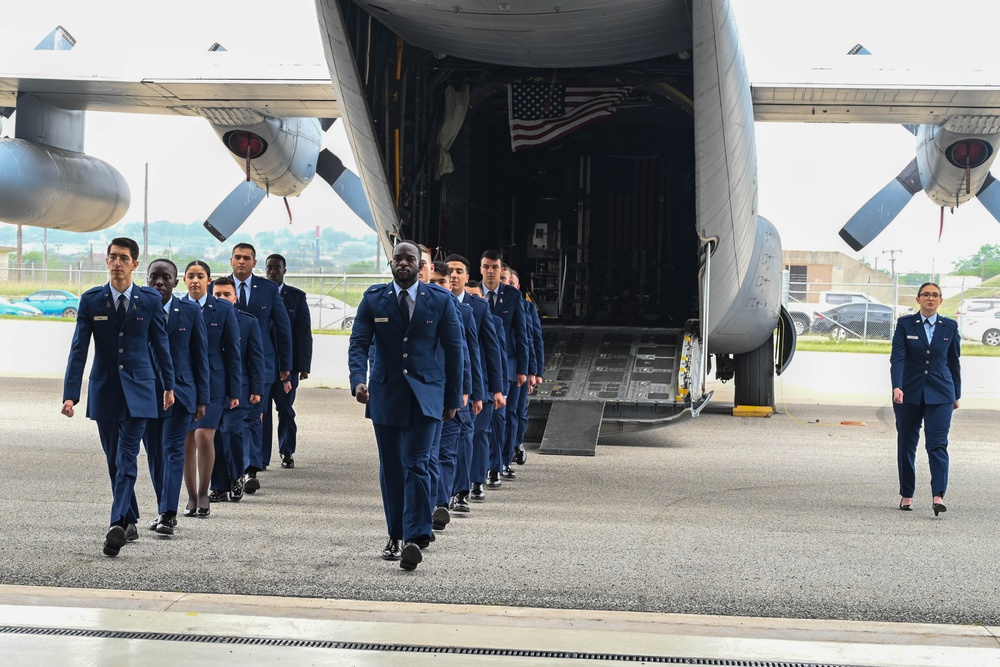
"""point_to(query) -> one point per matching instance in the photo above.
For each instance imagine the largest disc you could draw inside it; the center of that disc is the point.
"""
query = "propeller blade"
(989, 196)
(234, 210)
(57, 40)
(872, 218)
(345, 183)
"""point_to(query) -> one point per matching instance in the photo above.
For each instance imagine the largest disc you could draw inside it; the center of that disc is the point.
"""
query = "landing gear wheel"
(755, 376)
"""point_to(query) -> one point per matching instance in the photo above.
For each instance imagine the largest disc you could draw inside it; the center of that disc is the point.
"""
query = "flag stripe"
(542, 113)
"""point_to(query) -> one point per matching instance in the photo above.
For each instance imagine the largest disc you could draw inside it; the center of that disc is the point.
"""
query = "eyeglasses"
(932, 295)
(119, 259)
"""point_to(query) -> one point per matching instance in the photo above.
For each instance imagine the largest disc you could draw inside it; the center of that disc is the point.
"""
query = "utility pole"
(145, 219)
(895, 283)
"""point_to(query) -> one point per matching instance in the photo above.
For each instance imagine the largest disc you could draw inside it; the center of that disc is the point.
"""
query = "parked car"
(983, 326)
(327, 312)
(23, 309)
(53, 302)
(849, 321)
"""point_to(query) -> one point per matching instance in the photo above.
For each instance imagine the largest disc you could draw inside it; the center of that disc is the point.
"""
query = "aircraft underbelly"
(571, 33)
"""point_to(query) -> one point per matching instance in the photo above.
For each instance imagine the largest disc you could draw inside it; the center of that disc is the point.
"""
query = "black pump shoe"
(905, 508)
(938, 508)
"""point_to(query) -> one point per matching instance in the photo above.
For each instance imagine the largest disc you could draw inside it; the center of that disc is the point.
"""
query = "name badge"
(381, 319)
(100, 317)
(913, 338)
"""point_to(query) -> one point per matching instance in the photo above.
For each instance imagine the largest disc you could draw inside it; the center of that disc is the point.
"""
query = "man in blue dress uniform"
(126, 323)
(408, 392)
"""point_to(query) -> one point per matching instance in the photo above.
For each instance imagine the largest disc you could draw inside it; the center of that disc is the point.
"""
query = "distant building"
(811, 272)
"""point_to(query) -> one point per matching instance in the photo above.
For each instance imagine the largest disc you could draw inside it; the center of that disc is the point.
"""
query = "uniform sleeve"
(954, 363)
(539, 342)
(282, 333)
(231, 354)
(199, 359)
(897, 358)
(255, 352)
(451, 334)
(160, 344)
(476, 357)
(78, 353)
(520, 333)
(303, 335)
(494, 353)
(361, 341)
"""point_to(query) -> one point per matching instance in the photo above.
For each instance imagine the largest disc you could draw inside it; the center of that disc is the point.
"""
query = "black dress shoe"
(152, 526)
(391, 551)
(114, 541)
(218, 497)
(440, 518)
(251, 485)
(423, 541)
(520, 456)
(477, 493)
(287, 462)
(410, 556)
(131, 533)
(493, 480)
(236, 491)
(165, 524)
(508, 473)
(460, 505)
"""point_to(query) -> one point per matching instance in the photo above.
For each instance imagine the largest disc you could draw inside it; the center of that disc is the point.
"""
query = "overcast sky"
(812, 177)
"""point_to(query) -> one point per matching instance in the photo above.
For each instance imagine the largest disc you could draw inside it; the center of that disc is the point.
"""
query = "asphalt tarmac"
(792, 516)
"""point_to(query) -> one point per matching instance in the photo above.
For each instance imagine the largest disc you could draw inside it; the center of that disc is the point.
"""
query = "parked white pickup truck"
(803, 313)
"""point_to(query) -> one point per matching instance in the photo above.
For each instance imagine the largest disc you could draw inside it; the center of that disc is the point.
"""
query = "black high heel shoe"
(905, 508)
(939, 507)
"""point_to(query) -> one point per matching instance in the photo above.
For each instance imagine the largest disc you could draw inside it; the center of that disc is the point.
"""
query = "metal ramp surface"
(627, 375)
(573, 428)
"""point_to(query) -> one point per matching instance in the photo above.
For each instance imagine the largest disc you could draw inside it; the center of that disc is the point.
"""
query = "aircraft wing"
(887, 96)
(212, 85)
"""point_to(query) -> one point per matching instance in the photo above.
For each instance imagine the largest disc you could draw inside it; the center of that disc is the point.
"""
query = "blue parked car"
(8, 308)
(53, 302)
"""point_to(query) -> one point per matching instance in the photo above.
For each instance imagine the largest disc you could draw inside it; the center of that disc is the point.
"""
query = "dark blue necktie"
(404, 308)
(121, 308)
(243, 296)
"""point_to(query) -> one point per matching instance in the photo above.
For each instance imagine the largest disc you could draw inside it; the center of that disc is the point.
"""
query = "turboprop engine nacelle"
(283, 152)
(44, 186)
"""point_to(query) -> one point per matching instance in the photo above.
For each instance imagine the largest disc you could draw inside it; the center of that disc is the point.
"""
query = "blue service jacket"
(123, 374)
(536, 338)
(926, 372)
(264, 302)
(301, 323)
(515, 331)
(473, 357)
(224, 360)
(252, 357)
(189, 351)
(493, 356)
(506, 369)
(405, 366)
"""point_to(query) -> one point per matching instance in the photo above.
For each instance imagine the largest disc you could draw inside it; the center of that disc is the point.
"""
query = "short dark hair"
(224, 280)
(198, 262)
(253, 251)
(278, 257)
(474, 284)
(491, 255)
(165, 261)
(125, 242)
(928, 285)
(515, 273)
(440, 267)
(455, 257)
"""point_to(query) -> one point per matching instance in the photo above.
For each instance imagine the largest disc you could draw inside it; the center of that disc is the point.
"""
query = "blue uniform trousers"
(498, 435)
(404, 454)
(936, 418)
(451, 442)
(164, 439)
(287, 429)
(482, 436)
(513, 424)
(463, 459)
(434, 462)
(522, 420)
(120, 440)
(229, 448)
(253, 442)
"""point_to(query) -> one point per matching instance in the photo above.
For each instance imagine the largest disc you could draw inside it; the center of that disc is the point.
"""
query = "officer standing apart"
(410, 392)
(926, 386)
(259, 297)
(126, 323)
(302, 346)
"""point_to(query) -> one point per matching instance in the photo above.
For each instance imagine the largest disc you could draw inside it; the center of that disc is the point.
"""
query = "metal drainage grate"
(399, 648)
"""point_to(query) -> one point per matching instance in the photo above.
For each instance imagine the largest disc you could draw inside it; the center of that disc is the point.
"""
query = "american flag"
(541, 113)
